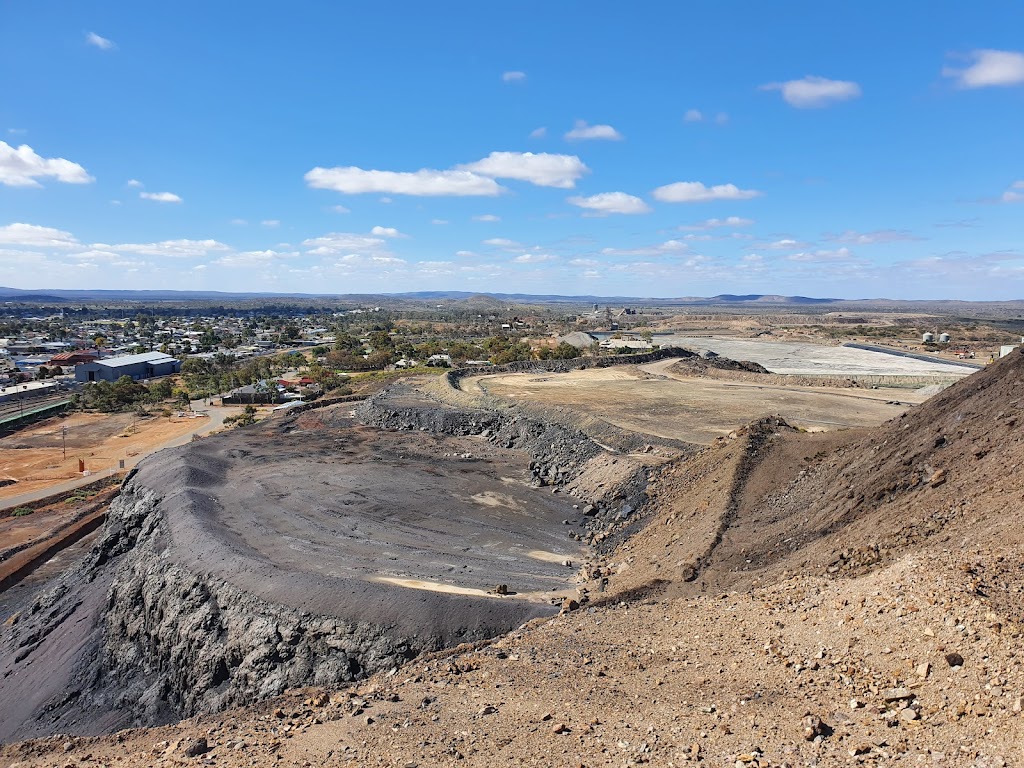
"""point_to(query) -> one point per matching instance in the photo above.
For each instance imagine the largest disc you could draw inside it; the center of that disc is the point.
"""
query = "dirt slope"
(795, 600)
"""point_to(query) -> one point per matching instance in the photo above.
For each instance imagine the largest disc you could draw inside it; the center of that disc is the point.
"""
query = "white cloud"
(467, 254)
(693, 116)
(487, 217)
(668, 248)
(534, 258)
(342, 242)
(813, 91)
(1015, 193)
(386, 232)
(357, 259)
(423, 183)
(340, 209)
(134, 183)
(611, 202)
(582, 131)
(840, 254)
(696, 192)
(729, 221)
(721, 118)
(271, 223)
(502, 242)
(872, 238)
(34, 236)
(539, 133)
(100, 42)
(253, 258)
(177, 249)
(22, 166)
(542, 169)
(160, 197)
(239, 222)
(989, 68)
(786, 244)
(386, 201)
(584, 262)
(513, 77)
(439, 222)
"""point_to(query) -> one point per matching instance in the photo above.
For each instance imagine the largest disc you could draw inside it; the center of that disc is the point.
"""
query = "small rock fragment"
(195, 747)
(954, 659)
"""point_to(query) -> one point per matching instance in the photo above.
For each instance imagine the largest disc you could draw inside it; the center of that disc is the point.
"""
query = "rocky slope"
(793, 600)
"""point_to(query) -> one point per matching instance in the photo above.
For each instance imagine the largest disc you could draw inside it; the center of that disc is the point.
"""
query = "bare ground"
(795, 600)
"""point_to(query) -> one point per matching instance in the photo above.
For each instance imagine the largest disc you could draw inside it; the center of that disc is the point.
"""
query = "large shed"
(143, 366)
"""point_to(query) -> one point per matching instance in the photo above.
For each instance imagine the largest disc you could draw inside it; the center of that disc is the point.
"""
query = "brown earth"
(657, 400)
(34, 456)
(832, 599)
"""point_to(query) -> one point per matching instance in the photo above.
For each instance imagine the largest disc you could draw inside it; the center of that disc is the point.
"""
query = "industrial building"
(144, 366)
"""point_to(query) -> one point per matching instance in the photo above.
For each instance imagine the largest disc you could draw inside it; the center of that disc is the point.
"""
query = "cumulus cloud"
(583, 131)
(487, 217)
(539, 133)
(667, 248)
(271, 223)
(693, 116)
(104, 44)
(812, 91)
(161, 197)
(786, 244)
(439, 222)
(340, 209)
(22, 166)
(611, 202)
(134, 183)
(728, 221)
(422, 183)
(386, 232)
(872, 238)
(1015, 193)
(342, 242)
(239, 222)
(721, 118)
(502, 242)
(31, 235)
(840, 254)
(696, 192)
(988, 68)
(542, 169)
(513, 77)
(584, 262)
(534, 258)
(253, 258)
(175, 249)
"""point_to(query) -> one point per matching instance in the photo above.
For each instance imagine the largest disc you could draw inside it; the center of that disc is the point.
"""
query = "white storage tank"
(927, 337)
(943, 338)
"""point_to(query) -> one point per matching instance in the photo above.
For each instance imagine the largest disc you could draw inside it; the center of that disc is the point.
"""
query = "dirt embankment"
(306, 551)
(795, 600)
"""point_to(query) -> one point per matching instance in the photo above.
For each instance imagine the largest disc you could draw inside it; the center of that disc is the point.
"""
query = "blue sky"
(651, 149)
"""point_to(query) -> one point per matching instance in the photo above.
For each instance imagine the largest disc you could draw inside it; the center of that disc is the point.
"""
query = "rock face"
(180, 612)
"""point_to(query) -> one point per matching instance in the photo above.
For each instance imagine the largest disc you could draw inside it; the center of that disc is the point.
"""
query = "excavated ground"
(325, 501)
(301, 549)
(829, 600)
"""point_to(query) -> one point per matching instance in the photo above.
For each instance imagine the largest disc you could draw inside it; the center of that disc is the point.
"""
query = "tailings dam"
(309, 549)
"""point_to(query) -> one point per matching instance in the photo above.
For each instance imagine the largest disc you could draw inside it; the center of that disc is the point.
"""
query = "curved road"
(217, 413)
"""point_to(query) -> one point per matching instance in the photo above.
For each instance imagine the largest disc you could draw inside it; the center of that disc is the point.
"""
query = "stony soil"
(792, 600)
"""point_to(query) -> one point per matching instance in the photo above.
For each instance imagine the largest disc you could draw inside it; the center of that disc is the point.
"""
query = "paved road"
(216, 413)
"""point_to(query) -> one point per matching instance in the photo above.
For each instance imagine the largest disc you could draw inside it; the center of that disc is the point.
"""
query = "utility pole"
(64, 440)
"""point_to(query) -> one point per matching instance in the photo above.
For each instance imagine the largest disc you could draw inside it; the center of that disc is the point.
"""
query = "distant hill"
(58, 296)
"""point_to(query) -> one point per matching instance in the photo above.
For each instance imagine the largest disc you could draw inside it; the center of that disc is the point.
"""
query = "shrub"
(23, 511)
